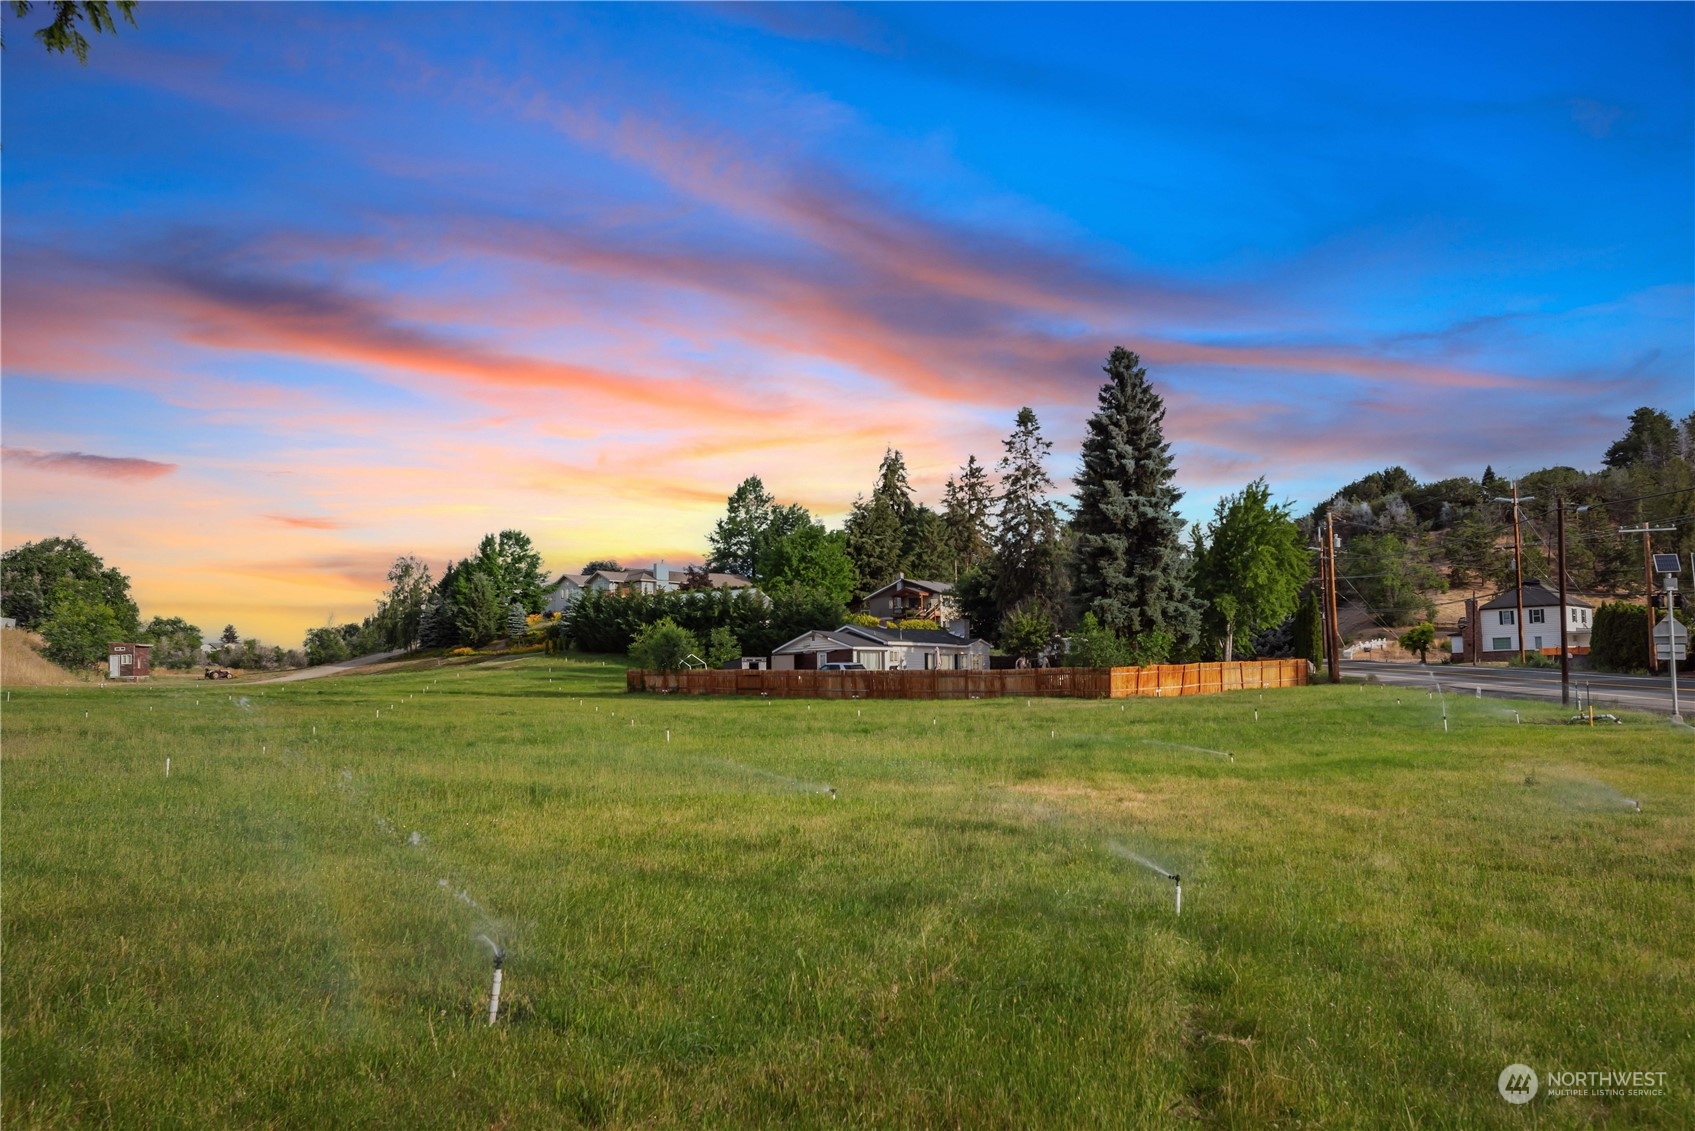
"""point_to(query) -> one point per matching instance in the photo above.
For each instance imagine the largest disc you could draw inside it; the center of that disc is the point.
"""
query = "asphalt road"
(1636, 692)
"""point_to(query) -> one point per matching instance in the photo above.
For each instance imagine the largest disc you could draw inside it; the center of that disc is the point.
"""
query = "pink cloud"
(82, 463)
(306, 522)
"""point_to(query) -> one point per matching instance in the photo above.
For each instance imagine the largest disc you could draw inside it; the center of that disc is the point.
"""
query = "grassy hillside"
(22, 665)
(1378, 917)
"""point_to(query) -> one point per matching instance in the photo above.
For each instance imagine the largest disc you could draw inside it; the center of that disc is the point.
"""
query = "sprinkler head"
(499, 959)
(1636, 805)
(831, 790)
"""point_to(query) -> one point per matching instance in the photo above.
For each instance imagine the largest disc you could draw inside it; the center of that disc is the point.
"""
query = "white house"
(1492, 632)
(882, 649)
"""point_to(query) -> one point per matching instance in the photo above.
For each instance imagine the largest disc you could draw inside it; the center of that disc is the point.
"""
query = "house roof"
(906, 635)
(903, 582)
(1536, 595)
(823, 637)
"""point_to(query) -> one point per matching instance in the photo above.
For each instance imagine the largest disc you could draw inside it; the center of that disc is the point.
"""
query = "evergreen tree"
(435, 624)
(479, 608)
(880, 530)
(1027, 527)
(929, 554)
(967, 503)
(1129, 567)
(1652, 439)
(1309, 630)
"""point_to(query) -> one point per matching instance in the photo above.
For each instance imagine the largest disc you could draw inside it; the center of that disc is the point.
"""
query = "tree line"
(1111, 570)
(61, 589)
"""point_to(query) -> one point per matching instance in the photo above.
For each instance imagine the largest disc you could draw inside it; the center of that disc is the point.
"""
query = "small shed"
(128, 661)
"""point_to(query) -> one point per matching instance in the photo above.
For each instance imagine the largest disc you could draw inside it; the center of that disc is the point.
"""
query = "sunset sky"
(290, 290)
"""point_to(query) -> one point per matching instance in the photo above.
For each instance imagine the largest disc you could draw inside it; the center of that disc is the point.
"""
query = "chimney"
(661, 572)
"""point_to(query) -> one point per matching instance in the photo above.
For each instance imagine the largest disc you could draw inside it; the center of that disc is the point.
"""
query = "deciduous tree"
(1252, 565)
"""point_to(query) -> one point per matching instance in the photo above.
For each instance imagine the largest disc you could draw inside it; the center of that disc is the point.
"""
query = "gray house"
(882, 649)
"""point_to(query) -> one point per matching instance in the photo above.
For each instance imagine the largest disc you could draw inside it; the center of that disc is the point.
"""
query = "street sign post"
(1671, 642)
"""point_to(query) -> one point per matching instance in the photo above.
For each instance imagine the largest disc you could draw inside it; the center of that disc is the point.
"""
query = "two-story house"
(1492, 631)
(660, 579)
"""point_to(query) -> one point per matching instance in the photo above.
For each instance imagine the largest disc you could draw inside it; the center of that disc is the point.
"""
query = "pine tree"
(1027, 527)
(881, 530)
(1129, 567)
(967, 503)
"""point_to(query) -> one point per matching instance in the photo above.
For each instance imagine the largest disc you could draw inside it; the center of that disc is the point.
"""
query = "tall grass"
(1378, 917)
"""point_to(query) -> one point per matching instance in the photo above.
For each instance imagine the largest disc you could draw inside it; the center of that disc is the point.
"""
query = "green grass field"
(1377, 917)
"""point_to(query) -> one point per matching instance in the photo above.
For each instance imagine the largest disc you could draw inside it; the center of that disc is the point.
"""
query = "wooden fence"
(1075, 683)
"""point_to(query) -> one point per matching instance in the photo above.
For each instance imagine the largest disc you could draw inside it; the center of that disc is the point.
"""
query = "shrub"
(663, 646)
(863, 620)
(721, 648)
(1150, 648)
(1094, 645)
(919, 624)
(462, 651)
(1026, 633)
(1619, 640)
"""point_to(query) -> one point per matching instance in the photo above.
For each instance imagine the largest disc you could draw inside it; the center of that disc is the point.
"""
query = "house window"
(1536, 616)
(1501, 644)
(1538, 640)
(1507, 616)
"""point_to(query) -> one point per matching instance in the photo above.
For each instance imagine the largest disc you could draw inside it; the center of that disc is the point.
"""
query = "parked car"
(217, 673)
(841, 667)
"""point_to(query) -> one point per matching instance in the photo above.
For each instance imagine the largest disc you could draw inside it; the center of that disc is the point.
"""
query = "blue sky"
(318, 285)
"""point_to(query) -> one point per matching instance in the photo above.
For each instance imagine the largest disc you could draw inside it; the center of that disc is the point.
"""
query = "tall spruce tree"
(1129, 568)
(1027, 527)
(882, 530)
(967, 503)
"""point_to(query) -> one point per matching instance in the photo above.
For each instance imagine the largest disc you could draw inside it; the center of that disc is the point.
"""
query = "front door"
(111, 667)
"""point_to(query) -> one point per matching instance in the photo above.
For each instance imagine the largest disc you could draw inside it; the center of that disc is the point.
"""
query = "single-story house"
(660, 579)
(882, 649)
(1492, 632)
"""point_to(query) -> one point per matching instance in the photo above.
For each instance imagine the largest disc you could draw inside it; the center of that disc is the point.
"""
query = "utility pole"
(1565, 652)
(1648, 572)
(1335, 641)
(1518, 564)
